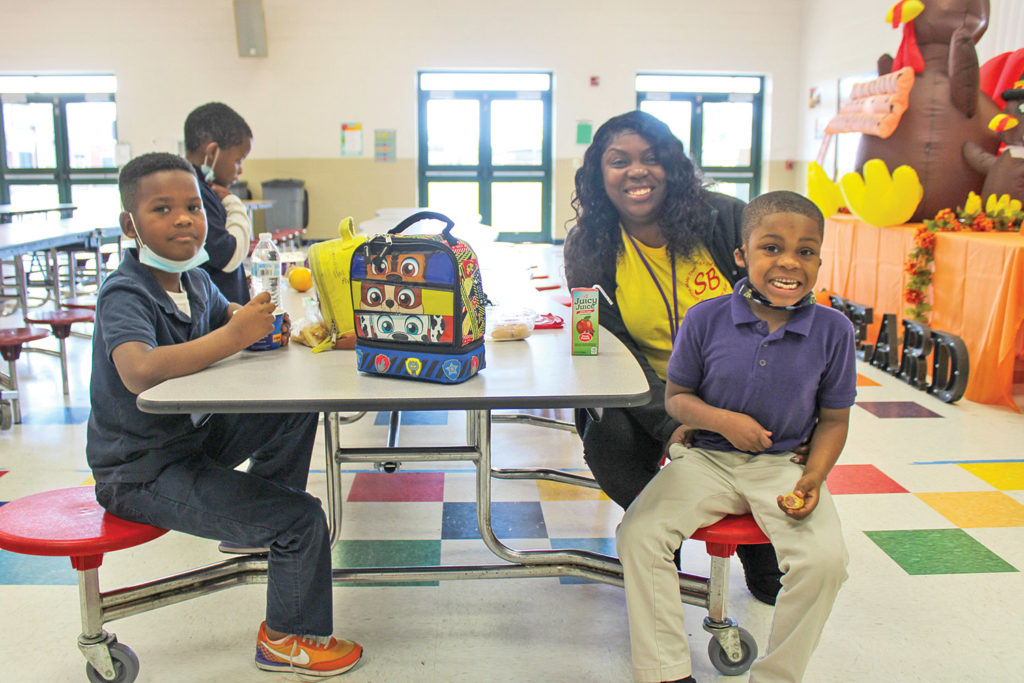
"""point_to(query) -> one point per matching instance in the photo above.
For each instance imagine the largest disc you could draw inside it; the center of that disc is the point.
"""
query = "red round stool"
(60, 322)
(11, 341)
(88, 302)
(70, 522)
(732, 649)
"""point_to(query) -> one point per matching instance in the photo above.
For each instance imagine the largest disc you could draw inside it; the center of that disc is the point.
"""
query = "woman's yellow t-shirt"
(643, 310)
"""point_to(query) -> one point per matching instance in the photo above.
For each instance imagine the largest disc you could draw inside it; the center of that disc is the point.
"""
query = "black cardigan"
(721, 238)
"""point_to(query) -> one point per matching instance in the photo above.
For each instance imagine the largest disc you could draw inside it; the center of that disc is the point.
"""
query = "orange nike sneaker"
(308, 655)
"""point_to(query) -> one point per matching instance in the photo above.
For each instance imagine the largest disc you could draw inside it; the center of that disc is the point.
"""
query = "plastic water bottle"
(266, 269)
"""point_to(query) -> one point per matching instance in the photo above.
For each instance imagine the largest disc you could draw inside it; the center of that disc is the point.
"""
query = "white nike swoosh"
(301, 659)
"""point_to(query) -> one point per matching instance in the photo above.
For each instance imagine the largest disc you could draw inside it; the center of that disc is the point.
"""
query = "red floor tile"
(861, 479)
(383, 487)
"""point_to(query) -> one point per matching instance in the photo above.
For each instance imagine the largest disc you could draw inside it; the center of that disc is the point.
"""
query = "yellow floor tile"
(553, 490)
(974, 509)
(1005, 476)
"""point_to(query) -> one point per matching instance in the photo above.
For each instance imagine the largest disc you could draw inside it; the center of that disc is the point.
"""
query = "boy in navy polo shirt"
(754, 372)
(158, 317)
(217, 140)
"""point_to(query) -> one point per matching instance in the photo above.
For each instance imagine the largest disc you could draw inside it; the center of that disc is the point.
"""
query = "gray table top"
(537, 372)
(34, 235)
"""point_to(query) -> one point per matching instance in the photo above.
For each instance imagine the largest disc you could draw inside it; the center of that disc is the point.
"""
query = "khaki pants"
(696, 489)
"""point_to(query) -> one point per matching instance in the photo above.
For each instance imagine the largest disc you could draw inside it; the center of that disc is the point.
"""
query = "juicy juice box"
(584, 321)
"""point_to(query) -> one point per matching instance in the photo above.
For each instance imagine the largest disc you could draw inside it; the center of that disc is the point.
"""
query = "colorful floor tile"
(886, 409)
(68, 415)
(397, 486)
(601, 546)
(863, 381)
(971, 509)
(508, 519)
(30, 570)
(414, 418)
(553, 490)
(938, 551)
(846, 479)
(378, 553)
(1005, 476)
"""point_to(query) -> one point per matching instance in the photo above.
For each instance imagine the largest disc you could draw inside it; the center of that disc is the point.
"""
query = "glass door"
(485, 150)
(719, 121)
(59, 148)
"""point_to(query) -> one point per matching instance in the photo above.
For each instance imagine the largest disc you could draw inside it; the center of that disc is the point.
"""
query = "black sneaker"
(761, 570)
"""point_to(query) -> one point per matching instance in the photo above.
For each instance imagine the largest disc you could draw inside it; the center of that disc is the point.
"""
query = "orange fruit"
(300, 278)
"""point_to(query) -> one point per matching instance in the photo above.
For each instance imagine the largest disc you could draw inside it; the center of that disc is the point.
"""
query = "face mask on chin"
(148, 257)
(208, 174)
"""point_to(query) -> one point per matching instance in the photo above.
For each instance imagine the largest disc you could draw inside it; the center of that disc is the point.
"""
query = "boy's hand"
(807, 489)
(746, 434)
(286, 329)
(220, 190)
(253, 321)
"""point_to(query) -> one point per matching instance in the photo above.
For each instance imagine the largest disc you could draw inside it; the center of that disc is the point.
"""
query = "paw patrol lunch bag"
(418, 305)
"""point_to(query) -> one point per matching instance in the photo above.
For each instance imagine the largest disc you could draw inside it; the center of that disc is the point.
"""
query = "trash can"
(240, 189)
(291, 204)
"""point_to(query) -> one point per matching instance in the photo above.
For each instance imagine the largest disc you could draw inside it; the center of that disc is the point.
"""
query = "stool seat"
(60, 317)
(12, 336)
(723, 536)
(88, 302)
(68, 522)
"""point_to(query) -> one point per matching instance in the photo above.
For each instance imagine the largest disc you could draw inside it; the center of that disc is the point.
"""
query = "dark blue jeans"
(267, 506)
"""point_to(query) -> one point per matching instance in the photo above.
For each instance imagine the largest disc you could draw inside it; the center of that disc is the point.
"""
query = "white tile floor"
(888, 625)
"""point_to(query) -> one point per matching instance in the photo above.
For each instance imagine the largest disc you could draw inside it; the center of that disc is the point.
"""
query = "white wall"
(332, 60)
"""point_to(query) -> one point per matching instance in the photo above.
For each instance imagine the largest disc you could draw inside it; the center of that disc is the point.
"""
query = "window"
(59, 137)
(719, 121)
(485, 149)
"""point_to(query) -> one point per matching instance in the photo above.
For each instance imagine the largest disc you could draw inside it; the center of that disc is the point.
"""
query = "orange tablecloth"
(977, 291)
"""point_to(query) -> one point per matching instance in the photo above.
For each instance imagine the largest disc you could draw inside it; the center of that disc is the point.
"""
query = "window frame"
(750, 175)
(484, 173)
(63, 175)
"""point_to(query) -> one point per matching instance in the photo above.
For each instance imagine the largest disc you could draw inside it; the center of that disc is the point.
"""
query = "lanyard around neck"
(673, 310)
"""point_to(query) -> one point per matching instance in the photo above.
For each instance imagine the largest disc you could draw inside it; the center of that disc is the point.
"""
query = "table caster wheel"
(126, 666)
(720, 660)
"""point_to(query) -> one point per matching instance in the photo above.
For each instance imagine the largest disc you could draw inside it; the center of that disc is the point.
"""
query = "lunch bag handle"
(446, 232)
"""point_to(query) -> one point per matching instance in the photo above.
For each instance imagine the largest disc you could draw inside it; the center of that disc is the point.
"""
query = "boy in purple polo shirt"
(754, 372)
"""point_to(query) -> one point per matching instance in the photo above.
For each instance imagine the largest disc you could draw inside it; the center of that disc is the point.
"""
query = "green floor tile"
(939, 551)
(387, 554)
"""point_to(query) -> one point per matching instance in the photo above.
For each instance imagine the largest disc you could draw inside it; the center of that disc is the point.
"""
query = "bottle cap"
(265, 236)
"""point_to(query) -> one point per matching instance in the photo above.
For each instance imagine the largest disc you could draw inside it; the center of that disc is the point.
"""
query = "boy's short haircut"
(215, 122)
(780, 201)
(142, 166)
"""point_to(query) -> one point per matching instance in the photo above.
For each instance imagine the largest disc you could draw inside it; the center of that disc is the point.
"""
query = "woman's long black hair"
(684, 215)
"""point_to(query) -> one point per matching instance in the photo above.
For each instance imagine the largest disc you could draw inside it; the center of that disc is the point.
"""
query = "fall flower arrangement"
(1001, 214)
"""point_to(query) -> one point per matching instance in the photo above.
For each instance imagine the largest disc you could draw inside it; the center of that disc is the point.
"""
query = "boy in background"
(158, 316)
(217, 140)
(753, 372)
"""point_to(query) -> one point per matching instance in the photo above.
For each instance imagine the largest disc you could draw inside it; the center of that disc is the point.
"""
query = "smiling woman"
(648, 231)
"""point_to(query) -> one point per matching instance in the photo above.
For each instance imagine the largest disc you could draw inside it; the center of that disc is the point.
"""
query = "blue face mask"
(148, 257)
(208, 174)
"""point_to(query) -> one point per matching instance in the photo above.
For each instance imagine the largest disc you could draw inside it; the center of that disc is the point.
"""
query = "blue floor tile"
(31, 570)
(508, 519)
(415, 418)
(601, 546)
(67, 415)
